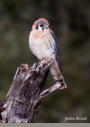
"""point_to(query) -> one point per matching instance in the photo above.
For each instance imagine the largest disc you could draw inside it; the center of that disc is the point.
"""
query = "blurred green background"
(70, 21)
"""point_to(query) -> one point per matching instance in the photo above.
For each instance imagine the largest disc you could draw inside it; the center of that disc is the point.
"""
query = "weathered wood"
(23, 100)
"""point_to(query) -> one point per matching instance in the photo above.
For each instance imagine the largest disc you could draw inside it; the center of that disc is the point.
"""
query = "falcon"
(43, 45)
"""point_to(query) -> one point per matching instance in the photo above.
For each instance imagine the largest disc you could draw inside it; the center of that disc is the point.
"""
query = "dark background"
(70, 21)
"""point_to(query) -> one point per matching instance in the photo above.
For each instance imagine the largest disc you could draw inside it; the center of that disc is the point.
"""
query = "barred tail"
(55, 71)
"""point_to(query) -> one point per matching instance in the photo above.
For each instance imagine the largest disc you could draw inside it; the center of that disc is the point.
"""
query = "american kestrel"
(43, 45)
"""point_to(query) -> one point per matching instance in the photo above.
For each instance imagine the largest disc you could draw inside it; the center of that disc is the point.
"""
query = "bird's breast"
(39, 34)
(42, 44)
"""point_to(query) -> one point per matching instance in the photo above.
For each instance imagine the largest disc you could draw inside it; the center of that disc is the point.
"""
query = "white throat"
(40, 28)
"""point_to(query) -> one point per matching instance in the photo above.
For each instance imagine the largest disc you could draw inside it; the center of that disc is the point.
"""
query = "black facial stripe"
(36, 26)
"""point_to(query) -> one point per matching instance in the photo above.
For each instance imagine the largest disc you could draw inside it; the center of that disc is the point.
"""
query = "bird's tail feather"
(55, 71)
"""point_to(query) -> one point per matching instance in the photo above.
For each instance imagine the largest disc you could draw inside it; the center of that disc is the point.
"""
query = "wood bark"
(23, 100)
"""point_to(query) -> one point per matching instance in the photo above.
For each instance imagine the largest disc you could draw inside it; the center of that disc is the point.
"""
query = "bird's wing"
(57, 51)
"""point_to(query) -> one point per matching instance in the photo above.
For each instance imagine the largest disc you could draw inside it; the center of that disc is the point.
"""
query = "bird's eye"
(41, 25)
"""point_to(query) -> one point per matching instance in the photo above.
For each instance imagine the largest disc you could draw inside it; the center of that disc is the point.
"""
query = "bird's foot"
(39, 62)
(48, 58)
(45, 59)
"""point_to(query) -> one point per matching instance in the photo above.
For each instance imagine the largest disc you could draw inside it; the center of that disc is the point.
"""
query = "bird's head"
(41, 24)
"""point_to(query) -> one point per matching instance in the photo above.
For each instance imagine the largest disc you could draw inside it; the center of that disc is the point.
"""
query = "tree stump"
(23, 100)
